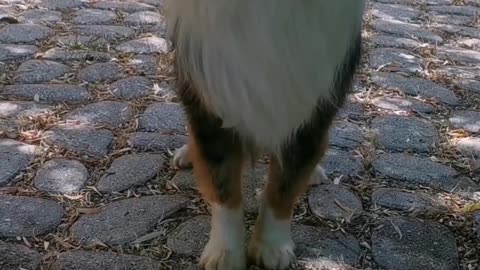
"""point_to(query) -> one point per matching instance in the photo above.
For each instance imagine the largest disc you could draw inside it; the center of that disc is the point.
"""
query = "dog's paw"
(181, 158)
(273, 255)
(319, 176)
(215, 256)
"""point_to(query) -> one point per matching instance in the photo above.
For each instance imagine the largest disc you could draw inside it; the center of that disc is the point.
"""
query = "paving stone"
(100, 72)
(15, 109)
(415, 87)
(470, 43)
(24, 33)
(476, 222)
(28, 216)
(100, 260)
(337, 162)
(352, 110)
(398, 199)
(48, 93)
(144, 64)
(81, 139)
(401, 104)
(406, 30)
(323, 249)
(38, 71)
(437, 2)
(473, 32)
(460, 72)
(334, 202)
(184, 180)
(33, 16)
(400, 59)
(129, 171)
(469, 146)
(400, 133)
(468, 120)
(144, 18)
(190, 237)
(459, 55)
(10, 52)
(132, 88)
(450, 20)
(68, 55)
(15, 157)
(109, 32)
(63, 5)
(149, 141)
(163, 117)
(76, 41)
(421, 171)
(94, 16)
(454, 10)
(345, 135)
(470, 85)
(146, 45)
(395, 42)
(127, 6)
(13, 256)
(113, 114)
(124, 221)
(404, 243)
(252, 185)
(395, 12)
(61, 176)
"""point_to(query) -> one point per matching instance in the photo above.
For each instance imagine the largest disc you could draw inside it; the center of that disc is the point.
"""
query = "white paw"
(181, 158)
(217, 257)
(319, 176)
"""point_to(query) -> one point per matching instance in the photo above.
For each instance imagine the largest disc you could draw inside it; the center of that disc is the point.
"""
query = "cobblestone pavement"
(89, 119)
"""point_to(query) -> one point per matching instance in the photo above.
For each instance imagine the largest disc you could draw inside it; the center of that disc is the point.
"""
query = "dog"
(259, 74)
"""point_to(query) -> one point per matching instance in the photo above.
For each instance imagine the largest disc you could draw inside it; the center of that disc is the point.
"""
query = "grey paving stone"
(454, 10)
(323, 249)
(28, 216)
(460, 72)
(337, 162)
(127, 6)
(146, 45)
(113, 114)
(401, 104)
(469, 43)
(14, 256)
(469, 146)
(252, 185)
(395, 12)
(163, 117)
(150, 141)
(352, 110)
(76, 41)
(15, 52)
(395, 42)
(144, 64)
(131, 88)
(189, 238)
(470, 85)
(94, 16)
(62, 5)
(450, 20)
(124, 221)
(345, 135)
(406, 30)
(438, 2)
(334, 202)
(129, 171)
(33, 16)
(39, 71)
(109, 32)
(401, 60)
(15, 157)
(81, 139)
(101, 260)
(416, 202)
(421, 171)
(68, 55)
(415, 87)
(48, 93)
(404, 243)
(144, 18)
(466, 31)
(459, 55)
(24, 33)
(400, 133)
(101, 72)
(11, 109)
(184, 180)
(61, 176)
(476, 223)
(468, 120)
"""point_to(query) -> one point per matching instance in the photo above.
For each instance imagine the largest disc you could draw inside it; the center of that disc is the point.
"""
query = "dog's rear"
(272, 74)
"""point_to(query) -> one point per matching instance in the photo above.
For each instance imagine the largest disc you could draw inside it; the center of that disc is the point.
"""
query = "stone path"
(88, 121)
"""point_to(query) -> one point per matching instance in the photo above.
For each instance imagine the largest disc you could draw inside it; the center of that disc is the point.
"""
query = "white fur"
(276, 248)
(225, 249)
(263, 65)
(181, 157)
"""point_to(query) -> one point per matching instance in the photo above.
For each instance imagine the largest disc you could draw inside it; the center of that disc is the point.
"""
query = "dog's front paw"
(181, 158)
(319, 176)
(217, 257)
(273, 255)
